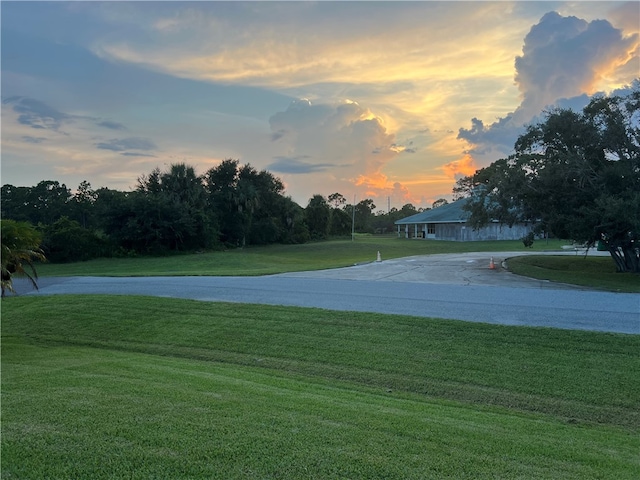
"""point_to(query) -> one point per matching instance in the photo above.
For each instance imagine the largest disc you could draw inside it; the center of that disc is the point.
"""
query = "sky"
(391, 101)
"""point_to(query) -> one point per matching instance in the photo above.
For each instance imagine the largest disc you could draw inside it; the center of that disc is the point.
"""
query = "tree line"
(231, 205)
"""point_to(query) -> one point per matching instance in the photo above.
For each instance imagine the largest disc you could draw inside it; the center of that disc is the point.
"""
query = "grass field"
(136, 387)
(596, 272)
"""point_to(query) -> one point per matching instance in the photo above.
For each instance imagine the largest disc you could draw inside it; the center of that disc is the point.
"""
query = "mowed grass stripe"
(139, 387)
(568, 373)
(75, 412)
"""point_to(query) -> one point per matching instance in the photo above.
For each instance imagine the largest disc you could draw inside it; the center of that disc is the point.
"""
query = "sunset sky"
(391, 101)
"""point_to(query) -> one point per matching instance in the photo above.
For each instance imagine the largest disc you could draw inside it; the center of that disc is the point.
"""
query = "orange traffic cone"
(492, 266)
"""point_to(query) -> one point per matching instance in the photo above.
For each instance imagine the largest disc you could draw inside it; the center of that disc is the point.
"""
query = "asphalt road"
(459, 287)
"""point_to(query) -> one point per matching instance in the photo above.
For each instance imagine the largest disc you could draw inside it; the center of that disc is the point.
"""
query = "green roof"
(449, 213)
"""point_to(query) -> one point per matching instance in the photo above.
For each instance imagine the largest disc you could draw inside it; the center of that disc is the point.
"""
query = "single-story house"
(449, 222)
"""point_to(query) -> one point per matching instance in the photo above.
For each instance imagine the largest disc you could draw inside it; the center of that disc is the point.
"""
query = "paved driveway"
(445, 269)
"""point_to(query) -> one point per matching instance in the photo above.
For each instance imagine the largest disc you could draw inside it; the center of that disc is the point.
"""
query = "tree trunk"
(627, 259)
(631, 259)
(617, 259)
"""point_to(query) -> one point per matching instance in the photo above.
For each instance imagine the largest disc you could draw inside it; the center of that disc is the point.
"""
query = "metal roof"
(449, 213)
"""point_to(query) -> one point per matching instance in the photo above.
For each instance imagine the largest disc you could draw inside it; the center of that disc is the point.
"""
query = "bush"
(528, 240)
(67, 241)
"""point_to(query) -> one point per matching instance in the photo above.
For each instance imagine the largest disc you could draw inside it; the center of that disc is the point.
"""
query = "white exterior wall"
(459, 232)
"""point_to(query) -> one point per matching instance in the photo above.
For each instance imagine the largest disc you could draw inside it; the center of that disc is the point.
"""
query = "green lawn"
(282, 258)
(137, 387)
(596, 272)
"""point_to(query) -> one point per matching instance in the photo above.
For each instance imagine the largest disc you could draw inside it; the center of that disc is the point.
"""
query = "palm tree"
(20, 247)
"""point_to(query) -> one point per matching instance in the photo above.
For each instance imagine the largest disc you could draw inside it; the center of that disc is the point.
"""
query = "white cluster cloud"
(563, 59)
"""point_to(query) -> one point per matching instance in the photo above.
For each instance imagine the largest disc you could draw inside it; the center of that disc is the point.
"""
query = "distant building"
(449, 222)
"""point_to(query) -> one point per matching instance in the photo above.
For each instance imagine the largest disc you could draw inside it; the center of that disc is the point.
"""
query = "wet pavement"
(445, 269)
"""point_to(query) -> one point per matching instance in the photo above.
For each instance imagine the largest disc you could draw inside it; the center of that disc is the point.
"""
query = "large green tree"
(221, 184)
(575, 174)
(84, 200)
(341, 215)
(364, 216)
(318, 217)
(260, 203)
(251, 206)
(168, 211)
(172, 211)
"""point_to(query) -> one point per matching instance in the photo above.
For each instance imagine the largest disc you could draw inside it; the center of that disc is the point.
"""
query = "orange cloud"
(460, 168)
(373, 181)
(382, 190)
